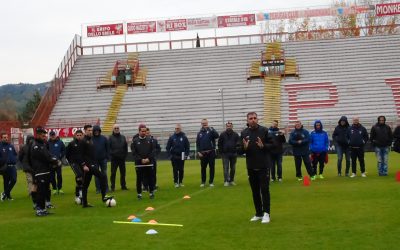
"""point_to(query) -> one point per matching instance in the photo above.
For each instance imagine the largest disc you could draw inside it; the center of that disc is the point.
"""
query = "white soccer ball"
(78, 200)
(111, 203)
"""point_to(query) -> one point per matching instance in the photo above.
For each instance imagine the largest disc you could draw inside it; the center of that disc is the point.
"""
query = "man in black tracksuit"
(75, 159)
(205, 144)
(90, 168)
(41, 162)
(257, 145)
(358, 137)
(118, 153)
(143, 151)
(227, 146)
(156, 152)
(341, 141)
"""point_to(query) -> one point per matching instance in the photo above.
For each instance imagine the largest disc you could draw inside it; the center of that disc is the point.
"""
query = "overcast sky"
(34, 35)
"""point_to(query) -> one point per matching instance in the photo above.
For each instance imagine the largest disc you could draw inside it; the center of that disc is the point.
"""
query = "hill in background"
(13, 98)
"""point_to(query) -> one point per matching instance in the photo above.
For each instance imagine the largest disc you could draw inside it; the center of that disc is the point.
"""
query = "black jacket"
(278, 139)
(41, 160)
(358, 135)
(74, 151)
(228, 142)
(88, 152)
(118, 146)
(396, 136)
(381, 135)
(143, 148)
(256, 158)
(340, 136)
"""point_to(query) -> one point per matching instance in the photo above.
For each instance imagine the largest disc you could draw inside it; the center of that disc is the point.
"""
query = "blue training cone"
(136, 220)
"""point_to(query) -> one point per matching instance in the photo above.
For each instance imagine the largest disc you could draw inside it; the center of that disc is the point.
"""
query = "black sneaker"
(151, 195)
(48, 206)
(139, 196)
(9, 198)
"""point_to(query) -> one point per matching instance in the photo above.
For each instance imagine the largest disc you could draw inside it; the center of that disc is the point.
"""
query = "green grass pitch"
(334, 213)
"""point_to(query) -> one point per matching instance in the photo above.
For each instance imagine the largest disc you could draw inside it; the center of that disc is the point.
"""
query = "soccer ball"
(111, 203)
(78, 200)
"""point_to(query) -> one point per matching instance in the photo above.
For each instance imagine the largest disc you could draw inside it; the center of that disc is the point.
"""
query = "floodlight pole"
(221, 90)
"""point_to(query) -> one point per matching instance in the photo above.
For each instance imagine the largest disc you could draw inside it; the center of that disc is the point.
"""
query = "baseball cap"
(40, 130)
(52, 133)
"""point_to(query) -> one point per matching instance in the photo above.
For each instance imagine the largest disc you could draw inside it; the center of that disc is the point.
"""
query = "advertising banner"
(105, 30)
(236, 20)
(201, 23)
(141, 27)
(387, 9)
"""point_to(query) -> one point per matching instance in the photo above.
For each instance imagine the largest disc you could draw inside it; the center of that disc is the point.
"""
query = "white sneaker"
(211, 184)
(176, 185)
(363, 175)
(226, 184)
(181, 185)
(352, 175)
(280, 179)
(265, 218)
(202, 185)
(232, 183)
(256, 218)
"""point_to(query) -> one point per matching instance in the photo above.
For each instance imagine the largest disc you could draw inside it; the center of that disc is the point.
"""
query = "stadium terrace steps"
(182, 85)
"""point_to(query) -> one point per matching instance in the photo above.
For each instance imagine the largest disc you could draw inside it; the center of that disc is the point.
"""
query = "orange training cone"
(398, 176)
(306, 181)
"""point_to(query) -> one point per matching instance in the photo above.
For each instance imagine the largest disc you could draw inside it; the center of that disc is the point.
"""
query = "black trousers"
(298, 159)
(178, 169)
(56, 178)
(207, 159)
(259, 183)
(87, 177)
(144, 175)
(357, 153)
(319, 159)
(115, 164)
(43, 190)
(154, 176)
(78, 179)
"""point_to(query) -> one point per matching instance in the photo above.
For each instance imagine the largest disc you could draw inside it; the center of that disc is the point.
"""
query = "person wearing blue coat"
(8, 157)
(319, 143)
(300, 140)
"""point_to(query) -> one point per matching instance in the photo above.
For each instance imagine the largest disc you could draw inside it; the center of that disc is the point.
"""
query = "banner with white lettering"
(141, 27)
(105, 30)
(202, 23)
(387, 9)
(236, 20)
(63, 132)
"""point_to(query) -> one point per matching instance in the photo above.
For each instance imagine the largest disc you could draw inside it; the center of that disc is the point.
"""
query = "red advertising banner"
(387, 9)
(236, 20)
(176, 25)
(105, 30)
(201, 23)
(63, 132)
(141, 27)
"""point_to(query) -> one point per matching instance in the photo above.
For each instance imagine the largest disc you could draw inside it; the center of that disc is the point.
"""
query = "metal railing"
(52, 93)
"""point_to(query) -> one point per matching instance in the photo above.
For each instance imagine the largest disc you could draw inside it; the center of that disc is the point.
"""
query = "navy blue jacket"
(302, 148)
(8, 151)
(101, 146)
(178, 143)
(319, 141)
(57, 148)
(357, 135)
(206, 139)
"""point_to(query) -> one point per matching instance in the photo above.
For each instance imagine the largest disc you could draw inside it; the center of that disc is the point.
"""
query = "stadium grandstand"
(313, 74)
